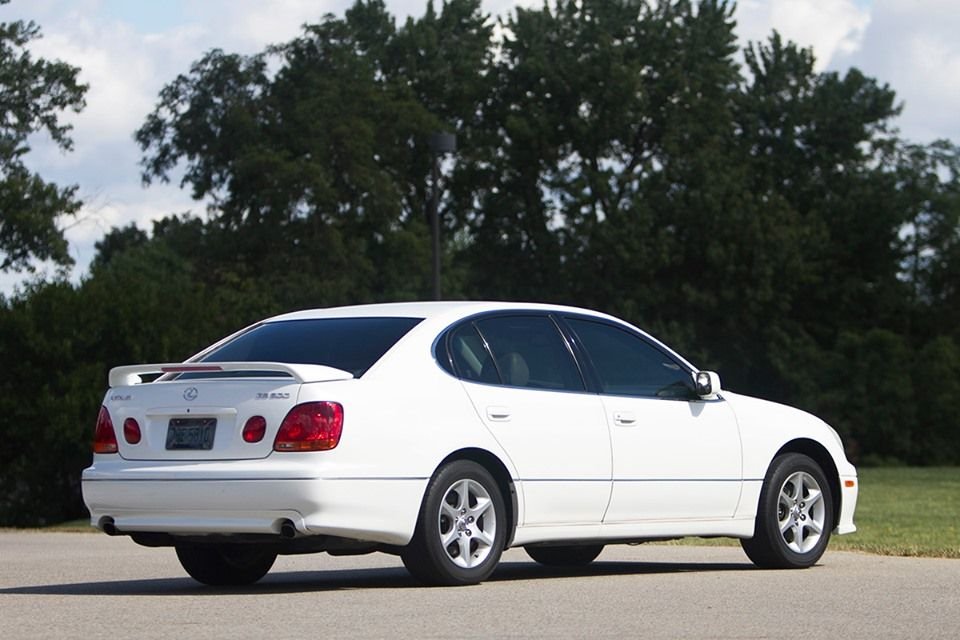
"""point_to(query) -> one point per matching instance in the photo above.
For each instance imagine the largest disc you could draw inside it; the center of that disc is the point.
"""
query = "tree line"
(763, 217)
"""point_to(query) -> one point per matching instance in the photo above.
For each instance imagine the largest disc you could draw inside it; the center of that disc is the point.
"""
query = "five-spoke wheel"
(794, 517)
(461, 528)
(800, 512)
(467, 523)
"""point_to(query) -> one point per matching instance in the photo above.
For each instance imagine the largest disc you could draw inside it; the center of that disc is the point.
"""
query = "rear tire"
(795, 515)
(221, 565)
(461, 528)
(565, 556)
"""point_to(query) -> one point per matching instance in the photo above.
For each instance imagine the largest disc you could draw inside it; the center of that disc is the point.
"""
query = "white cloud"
(829, 26)
(912, 45)
(120, 73)
(247, 26)
(909, 44)
(125, 70)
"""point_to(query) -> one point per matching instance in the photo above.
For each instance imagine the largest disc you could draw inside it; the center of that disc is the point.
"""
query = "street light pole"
(440, 143)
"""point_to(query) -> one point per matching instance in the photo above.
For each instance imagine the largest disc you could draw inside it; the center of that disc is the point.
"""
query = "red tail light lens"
(313, 426)
(131, 431)
(104, 438)
(254, 429)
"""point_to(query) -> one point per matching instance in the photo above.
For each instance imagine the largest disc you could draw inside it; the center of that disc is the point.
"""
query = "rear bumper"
(380, 510)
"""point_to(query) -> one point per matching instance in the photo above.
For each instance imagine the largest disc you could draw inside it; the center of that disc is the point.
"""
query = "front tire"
(225, 565)
(565, 556)
(795, 515)
(461, 528)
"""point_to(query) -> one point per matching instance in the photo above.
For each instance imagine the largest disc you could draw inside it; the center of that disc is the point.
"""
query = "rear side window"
(629, 366)
(350, 344)
(470, 356)
(528, 351)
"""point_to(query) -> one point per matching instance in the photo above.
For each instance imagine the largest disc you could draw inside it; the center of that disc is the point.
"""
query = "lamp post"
(440, 143)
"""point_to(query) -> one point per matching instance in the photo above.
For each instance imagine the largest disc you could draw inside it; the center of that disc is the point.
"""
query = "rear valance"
(130, 375)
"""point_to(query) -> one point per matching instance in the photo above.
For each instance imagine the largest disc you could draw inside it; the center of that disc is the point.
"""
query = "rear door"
(528, 390)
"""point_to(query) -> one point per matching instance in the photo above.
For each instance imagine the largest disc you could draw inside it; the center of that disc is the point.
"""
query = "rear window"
(350, 344)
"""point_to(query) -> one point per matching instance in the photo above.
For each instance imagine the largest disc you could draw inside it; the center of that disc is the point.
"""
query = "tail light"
(313, 426)
(131, 431)
(104, 437)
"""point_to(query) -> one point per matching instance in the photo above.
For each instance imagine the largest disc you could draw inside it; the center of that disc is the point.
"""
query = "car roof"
(438, 314)
(443, 311)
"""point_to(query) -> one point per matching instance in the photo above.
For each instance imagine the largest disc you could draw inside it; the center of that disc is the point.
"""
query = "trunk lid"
(197, 412)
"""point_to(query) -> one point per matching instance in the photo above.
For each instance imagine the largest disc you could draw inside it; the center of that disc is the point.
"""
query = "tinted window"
(470, 356)
(627, 365)
(529, 352)
(350, 344)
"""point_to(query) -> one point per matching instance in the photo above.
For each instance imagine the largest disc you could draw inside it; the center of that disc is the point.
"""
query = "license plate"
(191, 433)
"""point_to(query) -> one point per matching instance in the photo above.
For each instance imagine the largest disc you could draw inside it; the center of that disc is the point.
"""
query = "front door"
(675, 456)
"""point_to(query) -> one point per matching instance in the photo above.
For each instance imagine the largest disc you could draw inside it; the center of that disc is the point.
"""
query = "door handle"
(624, 418)
(499, 414)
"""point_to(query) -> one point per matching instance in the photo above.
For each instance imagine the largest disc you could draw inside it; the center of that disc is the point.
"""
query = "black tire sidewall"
(225, 565)
(426, 542)
(782, 468)
(564, 556)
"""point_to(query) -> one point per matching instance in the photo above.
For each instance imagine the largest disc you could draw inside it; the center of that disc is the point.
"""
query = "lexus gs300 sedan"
(447, 432)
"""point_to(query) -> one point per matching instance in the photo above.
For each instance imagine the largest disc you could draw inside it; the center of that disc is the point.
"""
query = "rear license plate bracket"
(191, 434)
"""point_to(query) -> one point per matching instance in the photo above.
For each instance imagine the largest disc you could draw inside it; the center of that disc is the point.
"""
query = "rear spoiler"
(130, 375)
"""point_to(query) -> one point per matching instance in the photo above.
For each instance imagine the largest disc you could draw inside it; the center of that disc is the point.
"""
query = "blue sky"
(147, 16)
(128, 49)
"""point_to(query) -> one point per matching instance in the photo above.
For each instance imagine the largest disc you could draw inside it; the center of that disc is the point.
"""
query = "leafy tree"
(867, 394)
(33, 94)
(115, 243)
(311, 159)
(141, 303)
(45, 404)
(936, 382)
(928, 186)
(593, 100)
(812, 143)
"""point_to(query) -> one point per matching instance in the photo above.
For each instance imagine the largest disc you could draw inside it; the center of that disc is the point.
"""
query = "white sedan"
(446, 432)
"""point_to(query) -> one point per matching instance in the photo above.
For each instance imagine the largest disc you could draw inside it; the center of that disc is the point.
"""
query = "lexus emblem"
(190, 394)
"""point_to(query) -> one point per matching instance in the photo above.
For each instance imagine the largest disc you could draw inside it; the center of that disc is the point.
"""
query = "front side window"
(528, 351)
(349, 344)
(627, 365)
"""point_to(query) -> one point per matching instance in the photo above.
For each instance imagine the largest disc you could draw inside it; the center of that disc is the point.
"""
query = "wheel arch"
(818, 453)
(498, 470)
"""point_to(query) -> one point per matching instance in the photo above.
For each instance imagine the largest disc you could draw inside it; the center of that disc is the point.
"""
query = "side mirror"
(707, 383)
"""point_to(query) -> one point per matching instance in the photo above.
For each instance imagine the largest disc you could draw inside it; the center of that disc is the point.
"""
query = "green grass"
(907, 512)
(900, 512)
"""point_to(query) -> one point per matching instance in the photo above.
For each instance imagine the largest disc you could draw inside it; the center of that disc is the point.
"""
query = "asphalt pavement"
(71, 585)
